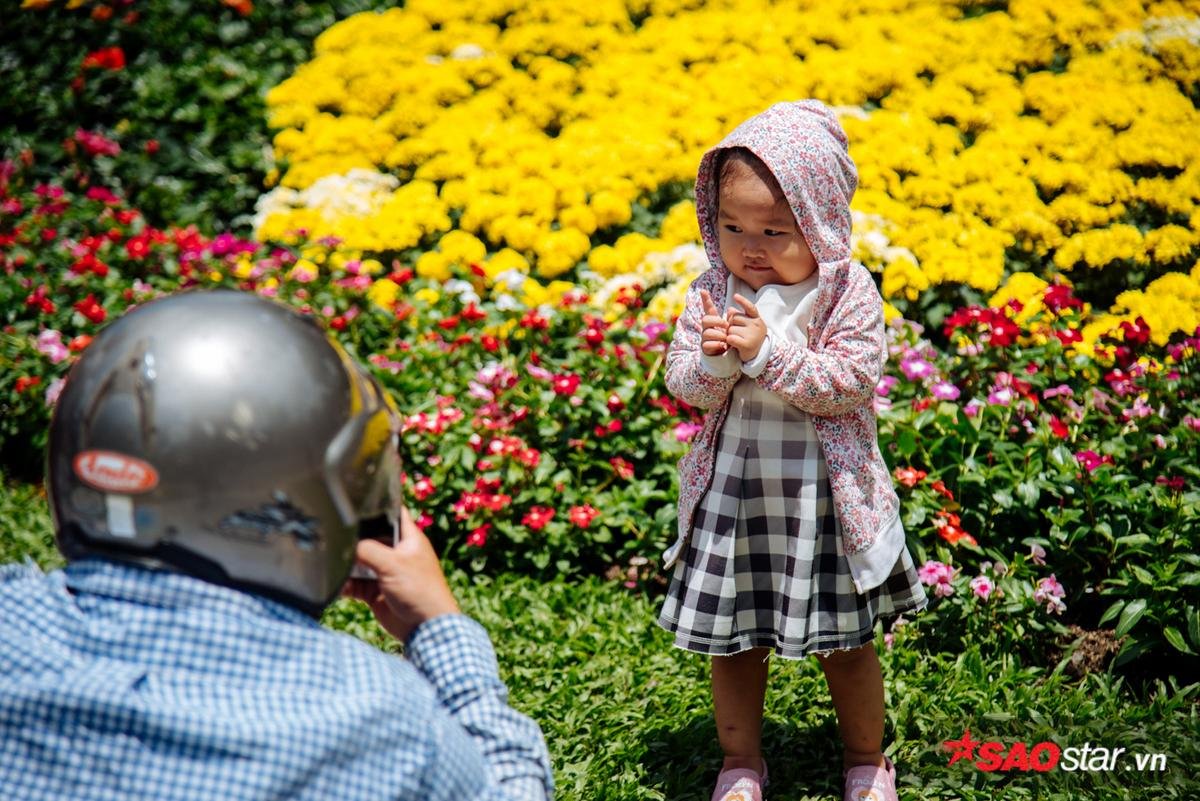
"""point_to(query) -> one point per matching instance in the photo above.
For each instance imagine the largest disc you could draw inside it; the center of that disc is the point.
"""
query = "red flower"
(422, 488)
(565, 384)
(614, 403)
(949, 528)
(478, 537)
(940, 489)
(535, 321)
(96, 144)
(151, 147)
(528, 457)
(1068, 337)
(489, 343)
(38, 300)
(473, 314)
(583, 516)
(1059, 427)
(107, 58)
(1059, 297)
(537, 517)
(91, 309)
(613, 427)
(25, 382)
(909, 476)
(1135, 333)
(1175, 483)
(79, 343)
(622, 467)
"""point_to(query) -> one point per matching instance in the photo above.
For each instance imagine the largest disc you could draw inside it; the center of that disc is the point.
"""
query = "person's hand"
(410, 587)
(713, 327)
(747, 331)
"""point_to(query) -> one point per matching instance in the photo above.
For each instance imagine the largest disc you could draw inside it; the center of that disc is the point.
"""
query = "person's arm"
(454, 653)
(412, 601)
(842, 375)
(697, 378)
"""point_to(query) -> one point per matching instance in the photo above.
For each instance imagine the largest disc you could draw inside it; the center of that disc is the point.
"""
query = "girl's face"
(758, 237)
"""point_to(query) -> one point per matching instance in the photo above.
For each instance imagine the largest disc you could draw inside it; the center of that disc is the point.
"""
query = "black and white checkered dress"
(764, 566)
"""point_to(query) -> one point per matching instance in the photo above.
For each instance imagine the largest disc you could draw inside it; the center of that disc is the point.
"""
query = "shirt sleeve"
(454, 654)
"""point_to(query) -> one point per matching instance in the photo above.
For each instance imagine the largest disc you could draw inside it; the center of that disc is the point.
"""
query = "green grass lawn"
(627, 717)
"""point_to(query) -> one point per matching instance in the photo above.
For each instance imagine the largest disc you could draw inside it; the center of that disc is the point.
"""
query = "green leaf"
(1111, 612)
(906, 443)
(1193, 622)
(1130, 615)
(1176, 639)
(1142, 574)
(1029, 493)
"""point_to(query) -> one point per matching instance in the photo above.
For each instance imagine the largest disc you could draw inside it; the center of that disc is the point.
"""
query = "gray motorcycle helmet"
(225, 436)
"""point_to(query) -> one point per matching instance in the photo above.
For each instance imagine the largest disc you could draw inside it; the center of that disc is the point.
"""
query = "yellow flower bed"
(1054, 135)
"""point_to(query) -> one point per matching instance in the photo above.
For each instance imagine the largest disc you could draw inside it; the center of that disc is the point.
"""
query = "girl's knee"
(845, 657)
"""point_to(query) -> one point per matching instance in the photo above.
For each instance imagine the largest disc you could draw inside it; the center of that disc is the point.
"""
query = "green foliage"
(187, 108)
(25, 528)
(628, 716)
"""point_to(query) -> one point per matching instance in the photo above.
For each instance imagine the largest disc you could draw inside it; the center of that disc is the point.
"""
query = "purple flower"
(916, 368)
(944, 390)
(885, 384)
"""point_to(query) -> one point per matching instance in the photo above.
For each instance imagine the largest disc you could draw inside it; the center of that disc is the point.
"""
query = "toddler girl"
(789, 532)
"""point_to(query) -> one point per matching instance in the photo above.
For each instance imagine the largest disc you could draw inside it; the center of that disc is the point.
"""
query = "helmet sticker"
(110, 471)
(120, 516)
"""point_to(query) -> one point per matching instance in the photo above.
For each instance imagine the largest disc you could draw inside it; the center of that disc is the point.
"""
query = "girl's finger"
(707, 302)
(748, 307)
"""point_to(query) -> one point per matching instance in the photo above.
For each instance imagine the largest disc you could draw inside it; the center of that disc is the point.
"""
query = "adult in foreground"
(214, 464)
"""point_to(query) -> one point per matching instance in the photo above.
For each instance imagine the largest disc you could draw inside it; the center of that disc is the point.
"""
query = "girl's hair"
(726, 158)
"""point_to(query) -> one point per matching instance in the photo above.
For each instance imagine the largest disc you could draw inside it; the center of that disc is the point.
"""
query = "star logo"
(963, 748)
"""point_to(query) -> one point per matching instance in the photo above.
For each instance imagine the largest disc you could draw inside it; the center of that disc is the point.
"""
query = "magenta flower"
(916, 369)
(1001, 396)
(685, 431)
(944, 390)
(937, 575)
(1090, 460)
(1139, 409)
(973, 407)
(1192, 423)
(885, 385)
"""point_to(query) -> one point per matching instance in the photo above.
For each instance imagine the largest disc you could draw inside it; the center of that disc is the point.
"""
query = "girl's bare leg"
(739, 685)
(856, 685)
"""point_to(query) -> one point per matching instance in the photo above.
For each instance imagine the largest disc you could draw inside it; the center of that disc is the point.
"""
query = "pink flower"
(1192, 423)
(885, 384)
(50, 345)
(54, 390)
(1054, 392)
(1037, 554)
(540, 373)
(583, 516)
(982, 586)
(1050, 592)
(1001, 396)
(973, 407)
(685, 431)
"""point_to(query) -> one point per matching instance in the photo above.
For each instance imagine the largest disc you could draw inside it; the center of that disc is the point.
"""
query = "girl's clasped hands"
(744, 330)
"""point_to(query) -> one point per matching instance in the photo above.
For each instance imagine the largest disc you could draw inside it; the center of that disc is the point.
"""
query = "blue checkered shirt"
(120, 683)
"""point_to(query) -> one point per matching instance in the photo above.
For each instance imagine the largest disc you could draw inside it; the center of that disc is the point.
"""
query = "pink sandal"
(740, 784)
(871, 783)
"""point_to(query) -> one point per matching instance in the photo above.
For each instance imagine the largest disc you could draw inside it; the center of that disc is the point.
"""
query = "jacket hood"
(804, 146)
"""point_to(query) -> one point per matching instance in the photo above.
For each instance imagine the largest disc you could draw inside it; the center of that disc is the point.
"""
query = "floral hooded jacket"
(833, 376)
